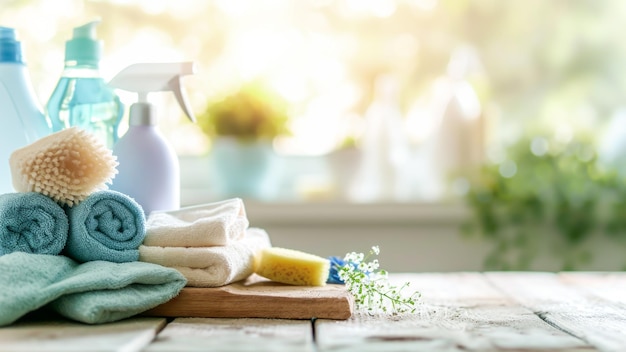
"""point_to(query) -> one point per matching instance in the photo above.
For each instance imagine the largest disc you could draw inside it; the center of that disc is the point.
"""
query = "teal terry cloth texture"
(107, 225)
(93, 293)
(32, 223)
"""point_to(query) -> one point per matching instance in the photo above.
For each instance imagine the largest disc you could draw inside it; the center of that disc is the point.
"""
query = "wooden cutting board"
(257, 297)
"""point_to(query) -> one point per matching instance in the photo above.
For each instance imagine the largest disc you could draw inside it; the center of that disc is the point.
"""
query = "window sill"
(343, 213)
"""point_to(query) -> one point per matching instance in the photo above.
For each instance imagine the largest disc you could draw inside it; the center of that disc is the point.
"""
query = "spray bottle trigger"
(181, 97)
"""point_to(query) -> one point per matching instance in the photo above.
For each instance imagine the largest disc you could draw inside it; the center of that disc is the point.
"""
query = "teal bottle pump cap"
(10, 48)
(84, 48)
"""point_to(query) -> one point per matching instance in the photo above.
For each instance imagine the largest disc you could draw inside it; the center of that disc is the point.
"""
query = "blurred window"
(388, 100)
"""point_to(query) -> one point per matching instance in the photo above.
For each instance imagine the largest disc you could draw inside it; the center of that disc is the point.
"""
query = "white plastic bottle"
(21, 116)
(148, 169)
(382, 172)
(455, 149)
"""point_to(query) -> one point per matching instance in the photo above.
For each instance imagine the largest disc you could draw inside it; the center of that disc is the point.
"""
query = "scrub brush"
(66, 166)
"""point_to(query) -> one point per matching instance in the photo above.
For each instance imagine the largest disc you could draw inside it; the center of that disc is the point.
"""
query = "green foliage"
(348, 142)
(557, 200)
(252, 113)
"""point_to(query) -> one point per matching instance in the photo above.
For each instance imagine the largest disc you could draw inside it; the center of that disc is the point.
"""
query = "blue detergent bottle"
(21, 117)
(82, 98)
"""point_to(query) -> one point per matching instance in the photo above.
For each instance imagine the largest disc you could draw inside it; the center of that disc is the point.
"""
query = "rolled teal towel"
(92, 293)
(31, 223)
(107, 225)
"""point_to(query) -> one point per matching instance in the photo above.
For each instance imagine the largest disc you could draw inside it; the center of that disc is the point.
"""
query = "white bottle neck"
(142, 114)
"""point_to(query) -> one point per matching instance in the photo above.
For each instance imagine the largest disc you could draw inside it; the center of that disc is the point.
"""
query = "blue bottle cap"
(10, 48)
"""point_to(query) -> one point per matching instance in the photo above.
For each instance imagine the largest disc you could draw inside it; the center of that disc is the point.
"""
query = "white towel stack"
(210, 244)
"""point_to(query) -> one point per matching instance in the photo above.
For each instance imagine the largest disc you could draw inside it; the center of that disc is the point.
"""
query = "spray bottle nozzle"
(145, 78)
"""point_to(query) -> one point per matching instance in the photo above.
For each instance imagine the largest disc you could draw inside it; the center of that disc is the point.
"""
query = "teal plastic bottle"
(82, 98)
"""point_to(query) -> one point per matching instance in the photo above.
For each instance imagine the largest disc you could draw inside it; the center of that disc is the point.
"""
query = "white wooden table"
(458, 312)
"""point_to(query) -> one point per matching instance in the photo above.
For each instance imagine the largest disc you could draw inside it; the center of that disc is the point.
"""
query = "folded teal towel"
(94, 292)
(31, 223)
(107, 225)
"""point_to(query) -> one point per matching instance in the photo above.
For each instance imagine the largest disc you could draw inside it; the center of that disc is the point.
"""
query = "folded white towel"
(210, 266)
(212, 224)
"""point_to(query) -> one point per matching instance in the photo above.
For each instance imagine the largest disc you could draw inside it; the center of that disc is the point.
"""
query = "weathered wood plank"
(585, 312)
(222, 334)
(610, 286)
(257, 297)
(459, 312)
(56, 334)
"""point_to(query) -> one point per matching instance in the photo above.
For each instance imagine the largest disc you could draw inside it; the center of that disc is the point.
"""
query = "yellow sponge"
(292, 267)
(66, 166)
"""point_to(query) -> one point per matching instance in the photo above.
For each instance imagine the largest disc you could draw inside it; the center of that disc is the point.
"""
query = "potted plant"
(242, 127)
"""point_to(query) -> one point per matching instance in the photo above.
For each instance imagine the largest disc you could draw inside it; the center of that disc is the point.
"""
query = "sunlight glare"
(233, 8)
(539, 146)
(564, 133)
(508, 169)
(378, 8)
(256, 52)
(290, 84)
(148, 45)
(153, 7)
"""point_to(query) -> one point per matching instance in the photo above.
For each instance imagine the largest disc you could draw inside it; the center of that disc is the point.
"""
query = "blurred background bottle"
(82, 98)
(382, 171)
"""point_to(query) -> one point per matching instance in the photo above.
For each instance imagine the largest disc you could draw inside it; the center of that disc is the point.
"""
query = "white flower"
(354, 257)
(374, 265)
(370, 286)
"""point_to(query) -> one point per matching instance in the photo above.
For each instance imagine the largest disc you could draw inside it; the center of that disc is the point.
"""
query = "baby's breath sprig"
(370, 285)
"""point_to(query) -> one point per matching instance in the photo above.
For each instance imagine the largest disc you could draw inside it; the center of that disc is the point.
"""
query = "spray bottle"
(148, 169)
(82, 97)
(21, 116)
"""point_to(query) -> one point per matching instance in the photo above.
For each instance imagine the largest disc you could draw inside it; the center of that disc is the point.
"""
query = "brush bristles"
(66, 166)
